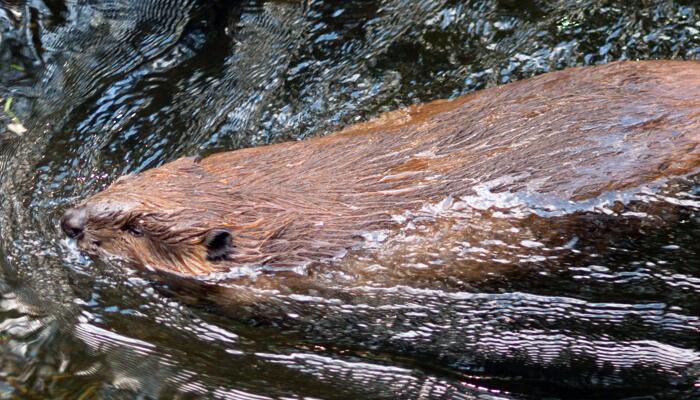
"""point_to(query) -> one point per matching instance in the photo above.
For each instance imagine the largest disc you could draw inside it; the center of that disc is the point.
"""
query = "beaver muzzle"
(73, 222)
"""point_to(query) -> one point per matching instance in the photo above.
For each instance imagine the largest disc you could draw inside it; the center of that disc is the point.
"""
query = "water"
(107, 88)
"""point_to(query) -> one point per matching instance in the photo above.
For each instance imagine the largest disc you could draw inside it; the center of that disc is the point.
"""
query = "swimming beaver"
(564, 136)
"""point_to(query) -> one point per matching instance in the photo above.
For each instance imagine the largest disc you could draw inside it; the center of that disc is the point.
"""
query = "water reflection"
(106, 88)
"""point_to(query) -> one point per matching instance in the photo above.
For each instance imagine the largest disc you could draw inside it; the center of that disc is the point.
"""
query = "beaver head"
(144, 220)
(195, 217)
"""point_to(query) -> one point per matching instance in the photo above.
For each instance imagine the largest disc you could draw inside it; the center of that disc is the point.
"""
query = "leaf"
(17, 127)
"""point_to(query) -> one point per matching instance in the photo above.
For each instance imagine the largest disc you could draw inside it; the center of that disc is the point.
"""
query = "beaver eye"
(133, 229)
(218, 244)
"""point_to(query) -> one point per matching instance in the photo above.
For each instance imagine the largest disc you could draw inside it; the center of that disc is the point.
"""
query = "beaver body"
(560, 138)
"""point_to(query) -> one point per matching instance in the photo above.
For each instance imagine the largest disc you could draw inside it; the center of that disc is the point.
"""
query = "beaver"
(564, 137)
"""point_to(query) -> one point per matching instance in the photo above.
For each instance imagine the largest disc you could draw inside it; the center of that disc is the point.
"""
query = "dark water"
(109, 87)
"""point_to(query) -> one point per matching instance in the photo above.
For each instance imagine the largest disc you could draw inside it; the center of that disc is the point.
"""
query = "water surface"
(105, 88)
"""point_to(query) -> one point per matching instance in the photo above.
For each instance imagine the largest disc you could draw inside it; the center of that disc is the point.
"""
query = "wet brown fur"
(569, 135)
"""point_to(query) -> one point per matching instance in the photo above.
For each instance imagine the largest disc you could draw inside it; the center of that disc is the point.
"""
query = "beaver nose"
(73, 222)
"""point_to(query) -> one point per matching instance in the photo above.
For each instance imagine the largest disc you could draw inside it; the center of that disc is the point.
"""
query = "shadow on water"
(106, 88)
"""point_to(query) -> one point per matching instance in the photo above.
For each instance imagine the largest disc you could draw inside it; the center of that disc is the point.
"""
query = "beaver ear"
(218, 243)
(123, 179)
